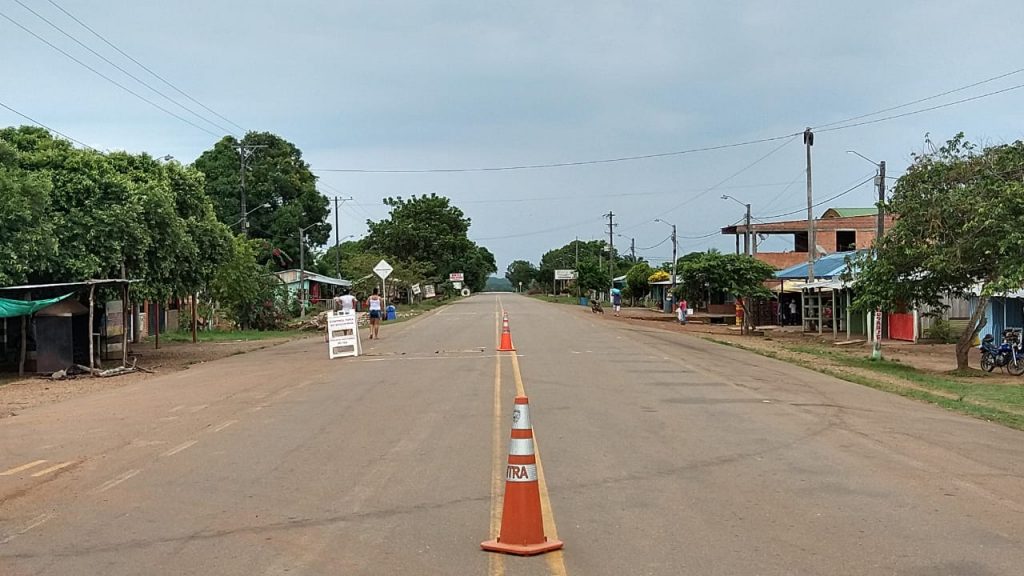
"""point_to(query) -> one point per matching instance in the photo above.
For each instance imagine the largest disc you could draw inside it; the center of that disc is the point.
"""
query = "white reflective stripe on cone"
(521, 417)
(520, 447)
(521, 473)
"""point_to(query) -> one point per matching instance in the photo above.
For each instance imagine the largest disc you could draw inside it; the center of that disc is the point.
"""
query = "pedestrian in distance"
(616, 301)
(346, 302)
(376, 309)
(681, 313)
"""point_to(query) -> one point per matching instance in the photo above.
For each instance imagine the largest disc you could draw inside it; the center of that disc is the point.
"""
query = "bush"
(942, 331)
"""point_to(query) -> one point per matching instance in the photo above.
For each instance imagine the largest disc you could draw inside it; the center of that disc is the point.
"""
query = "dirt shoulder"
(21, 394)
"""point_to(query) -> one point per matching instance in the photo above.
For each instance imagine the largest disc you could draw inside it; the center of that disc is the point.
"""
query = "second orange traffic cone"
(506, 337)
(522, 523)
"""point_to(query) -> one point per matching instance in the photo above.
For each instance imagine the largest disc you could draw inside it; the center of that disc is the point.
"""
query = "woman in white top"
(375, 313)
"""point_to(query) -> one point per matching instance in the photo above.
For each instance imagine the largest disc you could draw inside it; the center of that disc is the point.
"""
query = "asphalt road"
(660, 454)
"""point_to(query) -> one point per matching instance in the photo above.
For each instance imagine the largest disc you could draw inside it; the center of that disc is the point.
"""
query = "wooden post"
(195, 321)
(847, 313)
(92, 314)
(125, 310)
(156, 306)
(24, 340)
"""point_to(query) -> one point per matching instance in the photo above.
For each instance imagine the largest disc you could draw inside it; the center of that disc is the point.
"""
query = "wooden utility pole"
(611, 242)
(811, 241)
(244, 152)
(876, 348)
(337, 234)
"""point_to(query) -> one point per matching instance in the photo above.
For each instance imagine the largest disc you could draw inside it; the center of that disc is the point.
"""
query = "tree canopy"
(276, 175)
(73, 214)
(521, 272)
(430, 231)
(957, 232)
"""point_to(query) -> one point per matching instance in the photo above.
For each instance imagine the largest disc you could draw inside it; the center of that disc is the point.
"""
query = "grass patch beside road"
(1000, 403)
(230, 335)
(557, 299)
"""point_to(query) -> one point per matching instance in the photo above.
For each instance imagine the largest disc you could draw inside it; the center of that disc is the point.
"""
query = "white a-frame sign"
(342, 334)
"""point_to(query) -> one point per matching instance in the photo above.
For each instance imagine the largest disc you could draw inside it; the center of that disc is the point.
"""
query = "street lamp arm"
(873, 163)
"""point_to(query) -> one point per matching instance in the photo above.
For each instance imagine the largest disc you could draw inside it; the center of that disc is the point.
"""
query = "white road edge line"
(180, 448)
(111, 483)
(35, 523)
(225, 425)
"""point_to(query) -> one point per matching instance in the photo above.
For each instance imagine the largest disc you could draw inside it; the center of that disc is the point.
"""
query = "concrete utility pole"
(611, 242)
(812, 246)
(302, 270)
(337, 235)
(244, 152)
(632, 249)
(748, 238)
(876, 348)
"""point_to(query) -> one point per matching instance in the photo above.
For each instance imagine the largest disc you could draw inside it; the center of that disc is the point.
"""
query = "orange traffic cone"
(506, 337)
(522, 524)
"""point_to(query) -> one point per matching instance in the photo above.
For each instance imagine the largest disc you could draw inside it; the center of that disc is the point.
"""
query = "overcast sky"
(426, 85)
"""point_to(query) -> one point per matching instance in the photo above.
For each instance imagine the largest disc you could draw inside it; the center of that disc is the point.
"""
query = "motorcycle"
(1008, 354)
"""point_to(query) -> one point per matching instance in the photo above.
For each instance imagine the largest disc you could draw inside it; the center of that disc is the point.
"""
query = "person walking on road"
(347, 302)
(375, 313)
(681, 313)
(616, 300)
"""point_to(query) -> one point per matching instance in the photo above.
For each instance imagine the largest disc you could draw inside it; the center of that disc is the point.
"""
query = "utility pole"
(748, 237)
(632, 249)
(611, 242)
(337, 234)
(244, 152)
(876, 348)
(674, 258)
(577, 269)
(811, 241)
(302, 275)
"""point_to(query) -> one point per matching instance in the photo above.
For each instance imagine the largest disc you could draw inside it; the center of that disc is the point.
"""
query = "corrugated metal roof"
(825, 267)
(847, 212)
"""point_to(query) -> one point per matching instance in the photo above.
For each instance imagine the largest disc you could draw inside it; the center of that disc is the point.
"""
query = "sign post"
(383, 269)
(342, 334)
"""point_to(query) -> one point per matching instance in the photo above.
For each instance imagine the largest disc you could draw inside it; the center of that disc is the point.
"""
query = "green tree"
(276, 175)
(957, 232)
(27, 239)
(521, 272)
(636, 280)
(430, 230)
(564, 258)
(247, 290)
(736, 275)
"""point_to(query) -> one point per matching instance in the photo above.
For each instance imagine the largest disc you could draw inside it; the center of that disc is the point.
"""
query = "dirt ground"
(19, 394)
(933, 358)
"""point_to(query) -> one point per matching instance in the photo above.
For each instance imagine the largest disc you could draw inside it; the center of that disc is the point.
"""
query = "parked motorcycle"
(1008, 354)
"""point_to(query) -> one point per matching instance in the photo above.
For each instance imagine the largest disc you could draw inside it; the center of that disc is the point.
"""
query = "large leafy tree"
(431, 231)
(637, 280)
(276, 175)
(521, 272)
(957, 232)
(247, 290)
(103, 215)
(565, 258)
(737, 275)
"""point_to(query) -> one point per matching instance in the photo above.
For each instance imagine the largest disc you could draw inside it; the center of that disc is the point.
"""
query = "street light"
(302, 269)
(747, 236)
(876, 350)
(673, 250)
(261, 206)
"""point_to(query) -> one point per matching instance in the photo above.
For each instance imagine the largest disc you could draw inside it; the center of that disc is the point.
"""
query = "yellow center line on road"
(22, 468)
(556, 559)
(53, 468)
(496, 562)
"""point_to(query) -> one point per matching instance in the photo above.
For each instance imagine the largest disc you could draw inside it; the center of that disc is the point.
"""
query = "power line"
(41, 125)
(929, 109)
(919, 100)
(536, 232)
(667, 238)
(825, 201)
(723, 181)
(562, 164)
(109, 79)
(832, 126)
(125, 72)
(146, 68)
